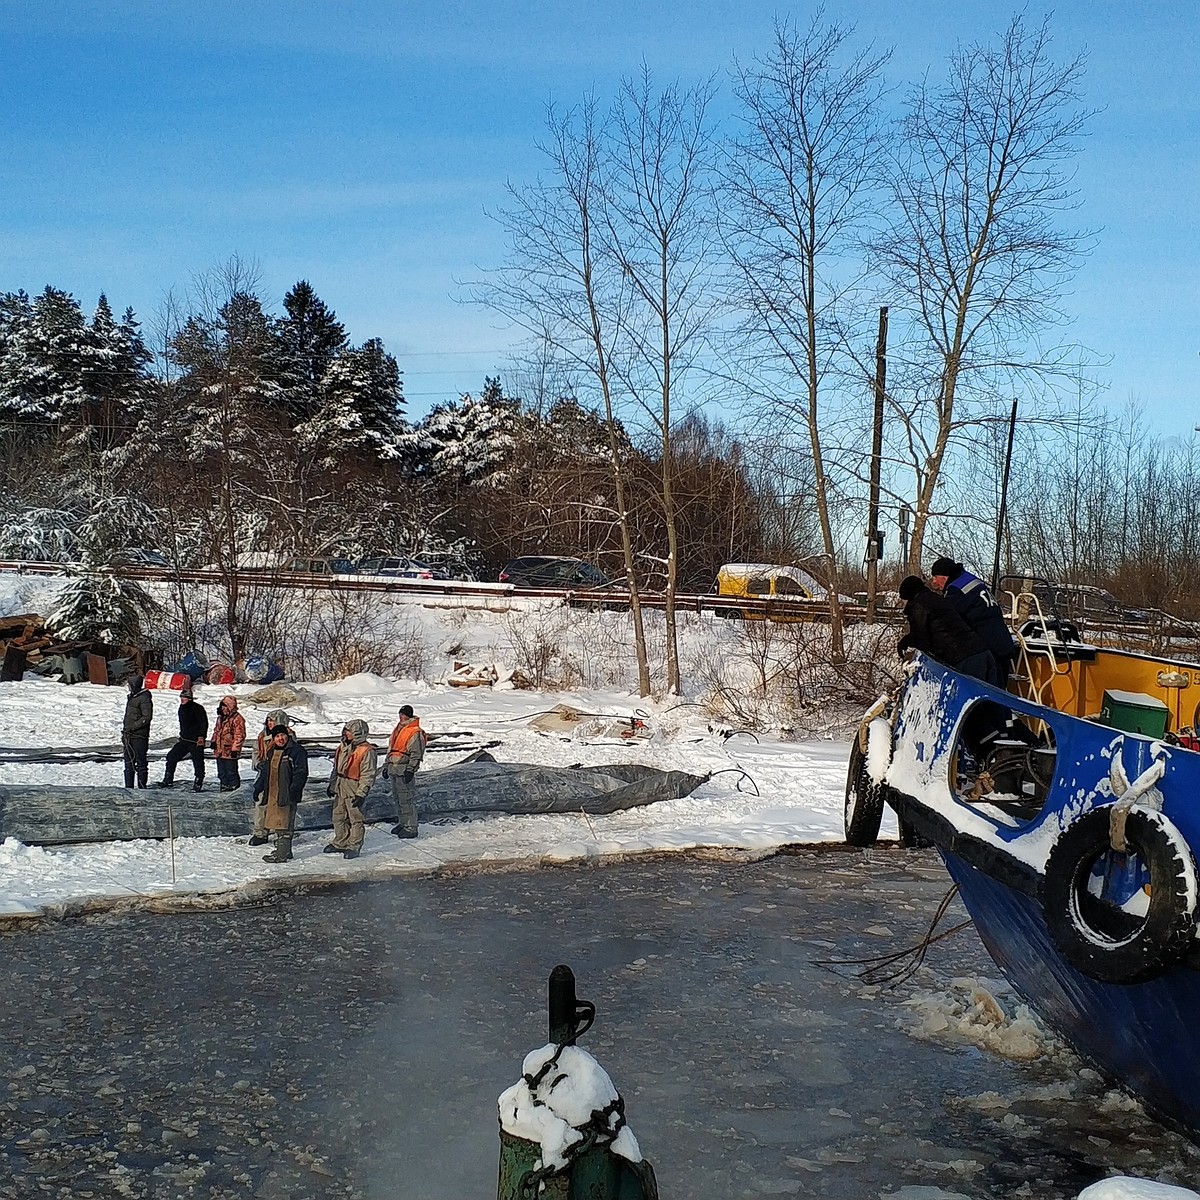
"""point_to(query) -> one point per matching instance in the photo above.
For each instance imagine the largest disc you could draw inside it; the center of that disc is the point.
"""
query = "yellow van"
(765, 581)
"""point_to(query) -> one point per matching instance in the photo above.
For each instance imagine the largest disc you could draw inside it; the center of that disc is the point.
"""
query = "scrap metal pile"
(28, 644)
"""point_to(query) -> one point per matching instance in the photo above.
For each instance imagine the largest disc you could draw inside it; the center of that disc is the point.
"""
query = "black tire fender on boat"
(1100, 940)
(911, 838)
(863, 813)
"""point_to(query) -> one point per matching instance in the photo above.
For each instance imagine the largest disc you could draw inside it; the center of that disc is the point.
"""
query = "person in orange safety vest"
(354, 769)
(405, 751)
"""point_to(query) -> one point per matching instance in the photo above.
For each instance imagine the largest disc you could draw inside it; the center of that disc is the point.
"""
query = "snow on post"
(564, 1097)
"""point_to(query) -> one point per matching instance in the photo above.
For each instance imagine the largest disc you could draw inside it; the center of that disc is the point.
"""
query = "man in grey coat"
(135, 731)
(405, 751)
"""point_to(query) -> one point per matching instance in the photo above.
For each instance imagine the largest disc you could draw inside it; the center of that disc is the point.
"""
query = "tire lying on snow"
(1100, 939)
(863, 813)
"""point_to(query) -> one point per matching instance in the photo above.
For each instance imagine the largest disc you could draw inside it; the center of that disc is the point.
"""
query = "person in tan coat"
(262, 743)
(278, 788)
(354, 769)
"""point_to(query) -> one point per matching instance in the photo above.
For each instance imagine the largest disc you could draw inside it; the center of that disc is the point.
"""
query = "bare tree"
(802, 178)
(976, 257)
(661, 232)
(562, 286)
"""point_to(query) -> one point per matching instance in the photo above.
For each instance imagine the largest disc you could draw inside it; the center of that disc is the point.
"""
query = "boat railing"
(1025, 609)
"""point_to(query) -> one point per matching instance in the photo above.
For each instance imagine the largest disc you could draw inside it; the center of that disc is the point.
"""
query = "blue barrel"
(192, 666)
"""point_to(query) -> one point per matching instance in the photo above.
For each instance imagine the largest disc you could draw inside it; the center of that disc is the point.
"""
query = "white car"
(399, 568)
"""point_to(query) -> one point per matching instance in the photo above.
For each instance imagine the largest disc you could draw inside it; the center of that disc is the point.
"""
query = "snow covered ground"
(764, 792)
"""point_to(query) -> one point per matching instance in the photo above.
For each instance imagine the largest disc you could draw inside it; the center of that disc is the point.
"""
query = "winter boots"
(278, 856)
(258, 839)
(401, 832)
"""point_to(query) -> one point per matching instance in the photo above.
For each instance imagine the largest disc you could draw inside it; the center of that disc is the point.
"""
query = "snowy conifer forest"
(246, 431)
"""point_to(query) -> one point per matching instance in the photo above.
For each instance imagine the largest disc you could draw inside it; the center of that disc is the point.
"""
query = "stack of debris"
(485, 675)
(26, 643)
(566, 722)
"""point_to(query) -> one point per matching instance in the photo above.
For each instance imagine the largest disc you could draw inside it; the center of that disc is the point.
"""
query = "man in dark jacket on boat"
(278, 788)
(135, 731)
(974, 603)
(193, 734)
(936, 629)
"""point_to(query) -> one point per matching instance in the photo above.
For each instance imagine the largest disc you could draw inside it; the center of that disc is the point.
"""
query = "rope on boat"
(893, 969)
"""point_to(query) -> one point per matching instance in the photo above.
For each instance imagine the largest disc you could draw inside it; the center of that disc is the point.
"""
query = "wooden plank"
(97, 669)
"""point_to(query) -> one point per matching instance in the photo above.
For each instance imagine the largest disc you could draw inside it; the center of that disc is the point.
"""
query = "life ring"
(1100, 939)
(863, 813)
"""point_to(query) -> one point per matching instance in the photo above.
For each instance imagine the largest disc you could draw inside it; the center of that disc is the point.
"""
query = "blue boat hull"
(1142, 1035)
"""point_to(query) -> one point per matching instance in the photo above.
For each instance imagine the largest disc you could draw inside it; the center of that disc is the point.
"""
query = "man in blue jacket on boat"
(974, 603)
(936, 629)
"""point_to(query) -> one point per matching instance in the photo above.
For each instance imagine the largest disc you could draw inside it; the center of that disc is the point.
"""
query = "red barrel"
(166, 681)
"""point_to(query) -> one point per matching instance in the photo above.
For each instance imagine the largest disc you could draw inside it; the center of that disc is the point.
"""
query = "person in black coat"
(936, 629)
(975, 604)
(135, 731)
(193, 734)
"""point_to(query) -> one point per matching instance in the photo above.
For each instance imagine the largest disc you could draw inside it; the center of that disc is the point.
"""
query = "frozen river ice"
(351, 1041)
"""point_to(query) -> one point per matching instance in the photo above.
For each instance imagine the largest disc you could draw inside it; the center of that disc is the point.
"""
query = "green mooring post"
(594, 1173)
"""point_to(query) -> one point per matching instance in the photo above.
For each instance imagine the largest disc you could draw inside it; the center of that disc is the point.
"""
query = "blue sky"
(358, 145)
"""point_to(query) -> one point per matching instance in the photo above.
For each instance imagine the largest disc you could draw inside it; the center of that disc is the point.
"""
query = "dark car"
(140, 556)
(542, 571)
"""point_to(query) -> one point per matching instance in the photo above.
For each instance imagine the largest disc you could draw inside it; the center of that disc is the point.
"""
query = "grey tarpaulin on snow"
(46, 814)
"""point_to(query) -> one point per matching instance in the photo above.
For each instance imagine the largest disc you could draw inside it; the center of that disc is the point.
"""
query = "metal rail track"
(1156, 632)
(608, 598)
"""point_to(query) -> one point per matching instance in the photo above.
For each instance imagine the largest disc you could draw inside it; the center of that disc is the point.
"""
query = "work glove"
(260, 799)
(329, 790)
(357, 802)
(385, 771)
(408, 776)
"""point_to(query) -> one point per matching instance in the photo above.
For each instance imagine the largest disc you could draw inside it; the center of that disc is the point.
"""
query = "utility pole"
(1002, 515)
(874, 536)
